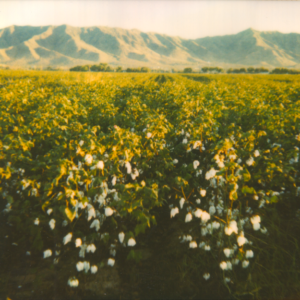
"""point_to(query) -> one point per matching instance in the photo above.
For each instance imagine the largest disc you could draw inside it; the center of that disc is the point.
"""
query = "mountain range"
(66, 46)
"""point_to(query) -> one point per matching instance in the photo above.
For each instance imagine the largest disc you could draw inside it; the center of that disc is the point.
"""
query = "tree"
(188, 70)
(145, 70)
(119, 69)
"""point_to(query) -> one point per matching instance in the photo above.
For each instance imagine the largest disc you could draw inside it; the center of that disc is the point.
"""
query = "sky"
(187, 19)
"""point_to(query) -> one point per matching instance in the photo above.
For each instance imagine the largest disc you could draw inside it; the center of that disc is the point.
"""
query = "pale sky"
(187, 19)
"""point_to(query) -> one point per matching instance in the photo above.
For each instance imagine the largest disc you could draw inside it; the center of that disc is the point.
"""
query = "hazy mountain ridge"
(66, 46)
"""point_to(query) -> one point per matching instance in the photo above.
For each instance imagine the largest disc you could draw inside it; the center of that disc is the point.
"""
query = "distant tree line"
(104, 67)
(285, 71)
(250, 70)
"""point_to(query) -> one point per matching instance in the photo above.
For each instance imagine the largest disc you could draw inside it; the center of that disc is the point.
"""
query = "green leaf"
(246, 175)
(248, 190)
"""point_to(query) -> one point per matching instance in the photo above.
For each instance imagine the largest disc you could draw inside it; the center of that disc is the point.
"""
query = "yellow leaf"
(69, 214)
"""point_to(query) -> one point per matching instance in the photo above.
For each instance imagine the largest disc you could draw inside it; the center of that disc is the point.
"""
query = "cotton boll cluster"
(210, 174)
(250, 161)
(232, 227)
(196, 164)
(255, 220)
(95, 224)
(185, 238)
(219, 160)
(88, 159)
(134, 174)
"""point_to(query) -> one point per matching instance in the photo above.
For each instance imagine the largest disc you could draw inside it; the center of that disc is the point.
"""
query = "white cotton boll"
(184, 141)
(96, 224)
(256, 153)
(227, 279)
(207, 248)
(204, 231)
(188, 217)
(174, 212)
(256, 226)
(249, 254)
(108, 211)
(241, 240)
(121, 237)
(255, 197)
(202, 244)
(114, 180)
(78, 242)
(91, 248)
(250, 161)
(82, 250)
(149, 135)
(198, 201)
(73, 282)
(188, 238)
(197, 144)
(52, 224)
(100, 165)
(131, 242)
(216, 225)
(36, 221)
(67, 238)
(91, 212)
(232, 227)
(235, 261)
(81, 143)
(175, 161)
(205, 216)
(86, 266)
(198, 213)
(193, 244)
(88, 159)
(210, 174)
(28, 253)
(206, 276)
(245, 263)
(223, 265)
(263, 230)
(229, 265)
(227, 252)
(49, 211)
(212, 210)
(64, 223)
(233, 156)
(128, 167)
(94, 269)
(181, 202)
(111, 262)
(79, 266)
(47, 253)
(255, 219)
(203, 193)
(196, 164)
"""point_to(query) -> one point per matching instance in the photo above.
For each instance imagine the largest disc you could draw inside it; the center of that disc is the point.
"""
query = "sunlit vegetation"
(187, 185)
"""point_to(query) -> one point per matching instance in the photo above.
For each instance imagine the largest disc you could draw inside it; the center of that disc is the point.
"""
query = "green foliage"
(104, 157)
